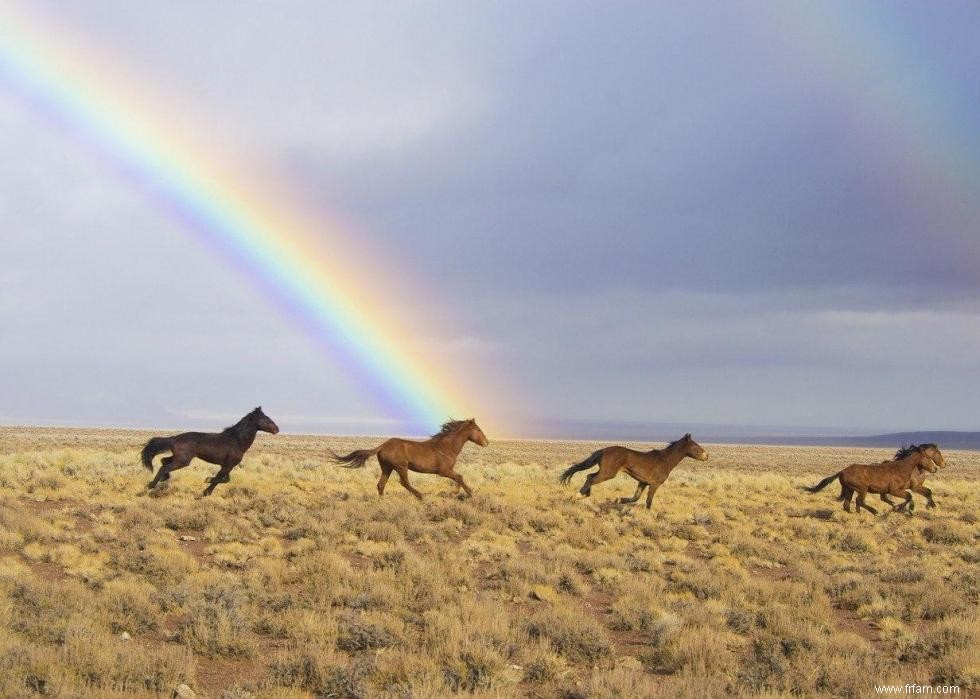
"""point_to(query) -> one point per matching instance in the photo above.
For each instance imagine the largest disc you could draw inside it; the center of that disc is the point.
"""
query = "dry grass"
(296, 580)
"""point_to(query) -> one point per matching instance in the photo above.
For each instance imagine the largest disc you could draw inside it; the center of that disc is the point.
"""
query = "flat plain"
(296, 579)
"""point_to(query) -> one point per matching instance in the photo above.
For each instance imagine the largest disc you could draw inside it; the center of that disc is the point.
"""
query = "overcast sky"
(659, 212)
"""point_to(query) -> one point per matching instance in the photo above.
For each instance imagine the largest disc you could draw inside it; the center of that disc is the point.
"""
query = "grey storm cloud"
(633, 211)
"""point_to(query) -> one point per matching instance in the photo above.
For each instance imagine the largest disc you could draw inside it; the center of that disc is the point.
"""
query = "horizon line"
(733, 433)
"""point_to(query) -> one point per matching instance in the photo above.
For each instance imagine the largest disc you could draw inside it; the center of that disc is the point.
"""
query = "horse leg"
(907, 505)
(167, 465)
(600, 476)
(163, 473)
(386, 470)
(922, 490)
(860, 503)
(846, 496)
(460, 483)
(222, 476)
(884, 497)
(636, 496)
(653, 489)
(403, 477)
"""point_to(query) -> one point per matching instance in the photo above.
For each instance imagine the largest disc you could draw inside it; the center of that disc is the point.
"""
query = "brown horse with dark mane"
(437, 454)
(650, 468)
(887, 478)
(918, 475)
(225, 448)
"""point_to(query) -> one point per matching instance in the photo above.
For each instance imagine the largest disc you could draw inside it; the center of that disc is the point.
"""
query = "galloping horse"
(887, 478)
(918, 475)
(225, 448)
(650, 468)
(437, 454)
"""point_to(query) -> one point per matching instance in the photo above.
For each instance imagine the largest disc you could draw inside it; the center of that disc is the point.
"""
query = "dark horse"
(650, 468)
(225, 448)
(887, 478)
(437, 454)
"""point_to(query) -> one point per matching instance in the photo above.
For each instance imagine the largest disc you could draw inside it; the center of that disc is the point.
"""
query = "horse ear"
(687, 436)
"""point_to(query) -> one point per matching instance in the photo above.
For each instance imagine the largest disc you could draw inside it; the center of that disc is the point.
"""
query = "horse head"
(264, 422)
(692, 448)
(475, 434)
(927, 464)
(932, 451)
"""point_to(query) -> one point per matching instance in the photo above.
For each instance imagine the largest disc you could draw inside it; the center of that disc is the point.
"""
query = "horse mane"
(678, 441)
(240, 428)
(451, 426)
(906, 451)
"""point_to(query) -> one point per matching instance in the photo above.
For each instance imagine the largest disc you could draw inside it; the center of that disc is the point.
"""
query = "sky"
(708, 213)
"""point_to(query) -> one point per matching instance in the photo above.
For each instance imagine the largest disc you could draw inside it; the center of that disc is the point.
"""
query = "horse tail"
(822, 484)
(154, 447)
(567, 474)
(355, 459)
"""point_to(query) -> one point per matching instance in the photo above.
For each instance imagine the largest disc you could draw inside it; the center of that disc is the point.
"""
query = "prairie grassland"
(296, 580)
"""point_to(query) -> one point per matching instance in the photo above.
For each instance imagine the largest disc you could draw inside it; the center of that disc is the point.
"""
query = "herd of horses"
(900, 476)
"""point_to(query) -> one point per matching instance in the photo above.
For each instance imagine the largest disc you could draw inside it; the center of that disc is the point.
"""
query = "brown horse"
(225, 448)
(437, 454)
(887, 478)
(650, 468)
(918, 475)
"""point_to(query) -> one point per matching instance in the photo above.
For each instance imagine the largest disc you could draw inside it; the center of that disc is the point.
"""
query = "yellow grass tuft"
(295, 579)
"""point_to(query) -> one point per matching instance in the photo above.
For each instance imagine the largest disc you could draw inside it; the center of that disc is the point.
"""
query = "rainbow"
(268, 241)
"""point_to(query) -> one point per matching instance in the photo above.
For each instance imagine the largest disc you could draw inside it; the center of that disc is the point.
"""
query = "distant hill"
(740, 434)
(945, 439)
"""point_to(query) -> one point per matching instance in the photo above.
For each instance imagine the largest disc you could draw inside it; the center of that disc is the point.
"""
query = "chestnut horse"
(437, 454)
(224, 448)
(650, 468)
(918, 475)
(887, 478)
